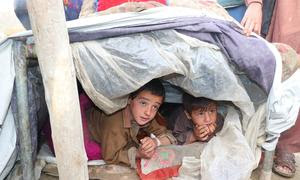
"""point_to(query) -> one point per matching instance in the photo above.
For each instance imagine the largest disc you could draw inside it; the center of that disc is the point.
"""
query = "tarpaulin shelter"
(199, 51)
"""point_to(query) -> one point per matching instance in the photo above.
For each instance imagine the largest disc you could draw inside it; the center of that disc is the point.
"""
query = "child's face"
(145, 106)
(204, 117)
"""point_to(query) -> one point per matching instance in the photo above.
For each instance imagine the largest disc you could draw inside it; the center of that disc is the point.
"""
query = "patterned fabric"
(290, 60)
(72, 9)
(160, 174)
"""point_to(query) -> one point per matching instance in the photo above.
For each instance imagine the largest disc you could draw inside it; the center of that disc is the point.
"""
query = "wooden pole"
(22, 121)
(48, 24)
(266, 171)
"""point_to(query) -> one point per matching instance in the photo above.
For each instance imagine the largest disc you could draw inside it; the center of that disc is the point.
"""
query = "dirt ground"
(105, 173)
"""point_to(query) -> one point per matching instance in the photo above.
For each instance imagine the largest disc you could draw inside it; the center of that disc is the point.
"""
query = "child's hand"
(148, 144)
(147, 148)
(212, 127)
(142, 154)
(201, 132)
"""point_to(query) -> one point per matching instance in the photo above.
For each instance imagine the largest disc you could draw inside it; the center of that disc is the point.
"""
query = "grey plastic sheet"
(110, 69)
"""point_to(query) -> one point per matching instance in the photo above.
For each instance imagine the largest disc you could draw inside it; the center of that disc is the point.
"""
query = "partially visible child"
(196, 120)
(118, 133)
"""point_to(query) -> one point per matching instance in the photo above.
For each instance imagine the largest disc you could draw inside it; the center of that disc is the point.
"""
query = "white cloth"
(283, 109)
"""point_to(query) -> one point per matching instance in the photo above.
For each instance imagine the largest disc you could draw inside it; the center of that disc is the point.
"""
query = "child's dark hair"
(154, 86)
(191, 103)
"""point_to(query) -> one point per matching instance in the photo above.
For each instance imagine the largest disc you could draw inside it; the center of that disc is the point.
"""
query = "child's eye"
(212, 111)
(155, 108)
(143, 103)
(201, 113)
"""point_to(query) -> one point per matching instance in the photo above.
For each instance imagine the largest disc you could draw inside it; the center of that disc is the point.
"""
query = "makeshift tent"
(199, 51)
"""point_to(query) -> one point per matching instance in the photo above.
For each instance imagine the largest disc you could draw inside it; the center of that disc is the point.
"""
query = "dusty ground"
(106, 173)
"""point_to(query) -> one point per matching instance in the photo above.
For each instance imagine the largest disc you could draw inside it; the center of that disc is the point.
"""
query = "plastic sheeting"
(7, 74)
(8, 138)
(151, 16)
(184, 61)
(228, 155)
(8, 135)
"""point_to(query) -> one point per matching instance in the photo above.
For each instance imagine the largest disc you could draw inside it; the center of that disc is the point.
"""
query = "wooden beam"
(22, 121)
(48, 24)
(266, 171)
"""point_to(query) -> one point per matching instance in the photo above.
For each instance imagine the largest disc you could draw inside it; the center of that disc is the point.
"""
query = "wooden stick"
(48, 24)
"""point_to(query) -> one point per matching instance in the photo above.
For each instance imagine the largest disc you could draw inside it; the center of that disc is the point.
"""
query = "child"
(117, 133)
(197, 120)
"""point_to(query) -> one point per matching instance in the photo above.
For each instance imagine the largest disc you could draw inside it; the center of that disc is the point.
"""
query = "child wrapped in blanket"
(196, 120)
